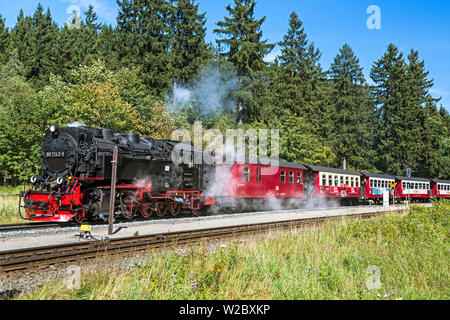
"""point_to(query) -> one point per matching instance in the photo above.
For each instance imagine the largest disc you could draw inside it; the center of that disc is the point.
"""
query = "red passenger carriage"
(412, 188)
(334, 183)
(440, 188)
(373, 185)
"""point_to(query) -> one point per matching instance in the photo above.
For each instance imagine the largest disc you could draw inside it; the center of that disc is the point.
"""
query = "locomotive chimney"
(108, 134)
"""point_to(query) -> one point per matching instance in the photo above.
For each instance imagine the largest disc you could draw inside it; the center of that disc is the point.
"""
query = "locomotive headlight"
(52, 128)
(59, 180)
(35, 179)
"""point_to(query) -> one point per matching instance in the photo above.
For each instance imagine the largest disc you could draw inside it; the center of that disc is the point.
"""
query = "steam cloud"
(209, 93)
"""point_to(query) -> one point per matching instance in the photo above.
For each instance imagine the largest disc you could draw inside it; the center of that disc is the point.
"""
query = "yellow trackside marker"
(86, 228)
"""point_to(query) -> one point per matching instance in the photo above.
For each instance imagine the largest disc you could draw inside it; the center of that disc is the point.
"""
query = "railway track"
(27, 226)
(38, 258)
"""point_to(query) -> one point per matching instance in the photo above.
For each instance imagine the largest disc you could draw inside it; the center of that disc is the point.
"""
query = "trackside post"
(113, 189)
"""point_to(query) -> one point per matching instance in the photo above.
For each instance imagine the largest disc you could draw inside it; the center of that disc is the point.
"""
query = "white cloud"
(272, 56)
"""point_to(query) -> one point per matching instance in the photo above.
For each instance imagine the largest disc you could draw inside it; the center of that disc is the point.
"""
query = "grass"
(336, 262)
(9, 212)
(11, 189)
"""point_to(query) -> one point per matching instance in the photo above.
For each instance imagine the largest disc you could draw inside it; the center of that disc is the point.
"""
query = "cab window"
(283, 176)
(299, 177)
(291, 177)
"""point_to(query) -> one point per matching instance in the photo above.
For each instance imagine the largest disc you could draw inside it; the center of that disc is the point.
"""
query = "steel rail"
(27, 226)
(35, 259)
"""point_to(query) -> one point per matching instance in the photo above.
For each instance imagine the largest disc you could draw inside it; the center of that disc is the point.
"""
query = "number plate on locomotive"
(54, 154)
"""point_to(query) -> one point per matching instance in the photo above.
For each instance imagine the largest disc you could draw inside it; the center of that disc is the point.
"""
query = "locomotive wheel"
(175, 208)
(195, 212)
(80, 216)
(161, 208)
(146, 211)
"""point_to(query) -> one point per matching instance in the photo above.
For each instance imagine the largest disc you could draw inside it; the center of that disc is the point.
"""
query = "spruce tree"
(4, 39)
(242, 45)
(187, 32)
(242, 36)
(21, 39)
(352, 134)
(91, 20)
(300, 84)
(144, 40)
(399, 144)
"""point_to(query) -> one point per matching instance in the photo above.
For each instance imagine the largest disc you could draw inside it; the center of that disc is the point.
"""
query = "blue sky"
(422, 25)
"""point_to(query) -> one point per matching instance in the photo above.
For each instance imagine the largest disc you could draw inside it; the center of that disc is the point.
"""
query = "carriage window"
(291, 177)
(371, 183)
(258, 174)
(408, 185)
(342, 181)
(403, 185)
(324, 180)
(416, 185)
(246, 174)
(330, 180)
(357, 182)
(346, 181)
(352, 182)
(299, 177)
(283, 176)
(336, 181)
(439, 187)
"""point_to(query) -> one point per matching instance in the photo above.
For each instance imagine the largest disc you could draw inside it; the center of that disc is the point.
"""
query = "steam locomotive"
(152, 179)
(76, 179)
